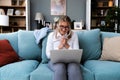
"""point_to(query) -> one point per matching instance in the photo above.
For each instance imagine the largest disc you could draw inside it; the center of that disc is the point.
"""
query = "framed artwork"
(10, 11)
(58, 7)
(77, 25)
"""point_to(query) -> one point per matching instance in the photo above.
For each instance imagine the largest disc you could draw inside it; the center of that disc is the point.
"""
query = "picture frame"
(10, 11)
(18, 2)
(102, 23)
(58, 7)
(47, 24)
(2, 12)
(77, 25)
(100, 4)
(105, 4)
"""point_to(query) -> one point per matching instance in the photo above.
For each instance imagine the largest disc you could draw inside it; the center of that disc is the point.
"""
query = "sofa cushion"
(44, 43)
(86, 73)
(108, 35)
(111, 49)
(44, 57)
(7, 53)
(42, 73)
(13, 39)
(28, 49)
(103, 70)
(19, 70)
(89, 41)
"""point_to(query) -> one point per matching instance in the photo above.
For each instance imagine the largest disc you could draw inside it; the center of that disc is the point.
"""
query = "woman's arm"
(49, 45)
(75, 43)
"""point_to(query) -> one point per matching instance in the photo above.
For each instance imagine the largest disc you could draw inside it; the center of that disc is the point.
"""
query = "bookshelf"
(18, 12)
(96, 11)
(99, 9)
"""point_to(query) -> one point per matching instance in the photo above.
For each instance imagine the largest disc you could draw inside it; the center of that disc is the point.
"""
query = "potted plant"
(113, 18)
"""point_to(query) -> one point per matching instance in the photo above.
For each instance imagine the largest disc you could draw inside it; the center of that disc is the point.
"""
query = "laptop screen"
(66, 56)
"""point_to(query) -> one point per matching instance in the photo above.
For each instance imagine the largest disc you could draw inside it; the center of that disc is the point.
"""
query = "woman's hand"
(63, 43)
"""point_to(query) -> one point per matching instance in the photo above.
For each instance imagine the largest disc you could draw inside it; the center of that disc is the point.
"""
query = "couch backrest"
(13, 39)
(89, 41)
(27, 46)
(108, 34)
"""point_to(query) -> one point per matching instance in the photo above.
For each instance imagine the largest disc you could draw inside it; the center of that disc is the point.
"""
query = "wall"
(75, 9)
(119, 3)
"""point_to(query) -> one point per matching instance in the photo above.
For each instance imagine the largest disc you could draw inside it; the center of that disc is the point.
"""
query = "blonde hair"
(64, 19)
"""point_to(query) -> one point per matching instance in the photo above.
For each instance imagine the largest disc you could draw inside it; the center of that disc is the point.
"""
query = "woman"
(63, 38)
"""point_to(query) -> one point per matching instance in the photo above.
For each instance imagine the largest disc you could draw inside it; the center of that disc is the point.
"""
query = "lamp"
(4, 21)
(40, 20)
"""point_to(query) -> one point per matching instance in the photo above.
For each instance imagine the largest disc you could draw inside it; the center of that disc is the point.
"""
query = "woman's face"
(63, 27)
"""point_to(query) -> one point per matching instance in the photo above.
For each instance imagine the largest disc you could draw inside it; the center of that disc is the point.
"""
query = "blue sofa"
(34, 64)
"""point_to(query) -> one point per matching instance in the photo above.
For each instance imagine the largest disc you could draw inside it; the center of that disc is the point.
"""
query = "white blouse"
(53, 42)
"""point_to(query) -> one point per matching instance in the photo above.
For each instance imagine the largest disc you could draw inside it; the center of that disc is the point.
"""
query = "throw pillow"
(7, 53)
(44, 43)
(89, 41)
(28, 48)
(111, 49)
(13, 39)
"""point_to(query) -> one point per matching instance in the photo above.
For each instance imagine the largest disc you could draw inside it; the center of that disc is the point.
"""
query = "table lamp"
(4, 21)
(40, 20)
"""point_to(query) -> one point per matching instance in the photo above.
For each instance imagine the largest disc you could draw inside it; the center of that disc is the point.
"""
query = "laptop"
(66, 56)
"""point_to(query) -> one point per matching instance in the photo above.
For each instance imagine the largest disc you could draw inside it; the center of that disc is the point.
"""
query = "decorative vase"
(17, 12)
